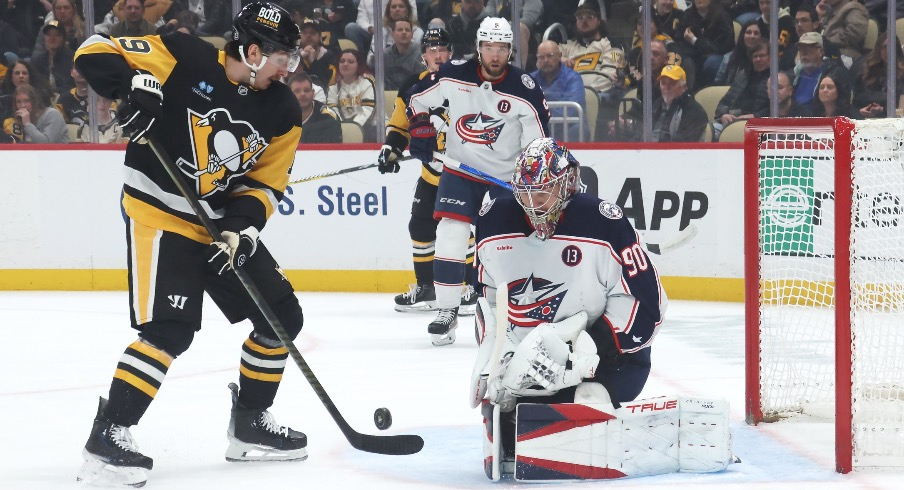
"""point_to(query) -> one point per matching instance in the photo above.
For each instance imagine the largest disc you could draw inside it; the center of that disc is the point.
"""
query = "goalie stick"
(672, 243)
(391, 445)
(342, 171)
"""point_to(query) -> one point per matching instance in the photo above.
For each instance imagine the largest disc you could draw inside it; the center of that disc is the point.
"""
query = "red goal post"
(824, 280)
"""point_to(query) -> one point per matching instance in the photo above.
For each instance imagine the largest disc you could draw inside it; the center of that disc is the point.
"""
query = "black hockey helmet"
(436, 37)
(267, 25)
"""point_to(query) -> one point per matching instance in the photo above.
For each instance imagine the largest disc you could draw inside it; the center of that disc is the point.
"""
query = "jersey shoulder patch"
(528, 81)
(458, 62)
(611, 210)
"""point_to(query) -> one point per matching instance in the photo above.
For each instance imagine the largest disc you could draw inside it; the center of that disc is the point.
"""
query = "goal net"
(824, 275)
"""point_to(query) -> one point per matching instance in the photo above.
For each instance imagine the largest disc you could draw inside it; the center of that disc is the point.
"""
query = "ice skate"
(468, 301)
(421, 297)
(255, 436)
(111, 456)
(442, 330)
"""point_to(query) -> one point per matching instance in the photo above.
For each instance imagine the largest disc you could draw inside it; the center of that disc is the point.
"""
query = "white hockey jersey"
(595, 262)
(354, 102)
(597, 62)
(489, 122)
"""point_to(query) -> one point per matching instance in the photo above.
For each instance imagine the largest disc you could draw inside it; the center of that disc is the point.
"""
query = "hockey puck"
(382, 418)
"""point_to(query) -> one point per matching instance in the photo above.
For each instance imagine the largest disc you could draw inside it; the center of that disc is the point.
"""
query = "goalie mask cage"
(824, 280)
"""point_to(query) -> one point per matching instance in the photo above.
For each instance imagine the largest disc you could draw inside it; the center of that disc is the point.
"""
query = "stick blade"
(400, 445)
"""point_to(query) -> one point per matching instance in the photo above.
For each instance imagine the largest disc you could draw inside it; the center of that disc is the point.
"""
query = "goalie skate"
(468, 301)
(254, 435)
(421, 297)
(442, 330)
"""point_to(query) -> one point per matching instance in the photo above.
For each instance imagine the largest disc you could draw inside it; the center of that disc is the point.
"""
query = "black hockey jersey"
(397, 127)
(235, 145)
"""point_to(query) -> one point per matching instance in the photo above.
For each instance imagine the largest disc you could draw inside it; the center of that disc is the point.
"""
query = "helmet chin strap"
(254, 68)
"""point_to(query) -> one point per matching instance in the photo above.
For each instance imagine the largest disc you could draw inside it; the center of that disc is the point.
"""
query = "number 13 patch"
(572, 255)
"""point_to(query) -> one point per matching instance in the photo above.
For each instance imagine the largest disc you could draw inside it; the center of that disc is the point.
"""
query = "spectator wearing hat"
(67, 13)
(133, 23)
(677, 116)
(844, 23)
(316, 60)
(812, 65)
(806, 20)
(560, 84)
(319, 124)
(55, 63)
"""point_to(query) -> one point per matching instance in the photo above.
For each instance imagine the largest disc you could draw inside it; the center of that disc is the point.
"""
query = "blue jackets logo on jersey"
(479, 128)
(533, 301)
(222, 148)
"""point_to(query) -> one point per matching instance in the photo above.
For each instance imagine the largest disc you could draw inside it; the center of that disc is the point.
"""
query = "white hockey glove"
(142, 104)
(234, 250)
(553, 356)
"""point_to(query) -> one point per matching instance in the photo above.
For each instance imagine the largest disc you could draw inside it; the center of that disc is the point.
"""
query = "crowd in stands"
(832, 59)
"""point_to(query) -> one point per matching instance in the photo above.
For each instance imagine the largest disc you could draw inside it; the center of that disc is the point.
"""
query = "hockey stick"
(392, 445)
(342, 171)
(672, 243)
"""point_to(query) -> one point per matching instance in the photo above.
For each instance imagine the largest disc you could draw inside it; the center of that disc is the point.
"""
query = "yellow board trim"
(277, 351)
(274, 378)
(388, 281)
(136, 382)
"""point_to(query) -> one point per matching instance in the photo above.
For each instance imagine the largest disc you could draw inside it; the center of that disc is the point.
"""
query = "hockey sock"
(138, 376)
(261, 370)
(449, 263)
(422, 255)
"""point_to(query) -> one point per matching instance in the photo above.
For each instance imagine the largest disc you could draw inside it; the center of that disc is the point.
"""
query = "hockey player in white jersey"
(581, 305)
(495, 110)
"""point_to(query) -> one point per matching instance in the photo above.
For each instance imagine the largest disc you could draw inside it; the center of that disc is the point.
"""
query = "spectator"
(667, 18)
(812, 65)
(403, 58)
(319, 124)
(868, 76)
(334, 15)
(747, 97)
(844, 24)
(560, 83)
(316, 60)
(397, 10)
(34, 122)
(26, 17)
(634, 64)
(833, 99)
(352, 96)
(214, 16)
(787, 35)
(21, 73)
(463, 28)
(133, 23)
(108, 128)
(660, 57)
(806, 20)
(70, 19)
(878, 9)
(361, 32)
(439, 12)
(531, 10)
(74, 103)
(591, 54)
(738, 60)
(706, 33)
(787, 106)
(55, 64)
(677, 117)
(152, 11)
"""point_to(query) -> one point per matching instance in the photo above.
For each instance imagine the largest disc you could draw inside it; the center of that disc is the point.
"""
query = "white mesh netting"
(797, 282)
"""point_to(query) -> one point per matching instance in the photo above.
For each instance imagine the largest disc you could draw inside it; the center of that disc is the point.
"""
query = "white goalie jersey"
(489, 122)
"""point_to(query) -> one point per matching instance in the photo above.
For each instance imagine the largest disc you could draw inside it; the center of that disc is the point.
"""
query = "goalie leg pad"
(645, 437)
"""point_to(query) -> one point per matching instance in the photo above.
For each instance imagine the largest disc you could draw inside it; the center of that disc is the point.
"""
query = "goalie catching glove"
(234, 250)
(142, 104)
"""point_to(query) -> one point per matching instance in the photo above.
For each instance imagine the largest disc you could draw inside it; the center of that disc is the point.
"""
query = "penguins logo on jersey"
(533, 301)
(479, 128)
(223, 148)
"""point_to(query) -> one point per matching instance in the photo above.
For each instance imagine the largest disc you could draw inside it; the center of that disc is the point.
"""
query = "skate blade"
(439, 340)
(97, 473)
(417, 307)
(467, 310)
(241, 452)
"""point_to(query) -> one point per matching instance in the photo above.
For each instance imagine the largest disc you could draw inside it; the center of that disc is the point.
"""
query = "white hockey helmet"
(495, 30)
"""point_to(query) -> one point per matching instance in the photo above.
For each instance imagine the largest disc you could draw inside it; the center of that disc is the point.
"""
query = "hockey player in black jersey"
(436, 49)
(232, 128)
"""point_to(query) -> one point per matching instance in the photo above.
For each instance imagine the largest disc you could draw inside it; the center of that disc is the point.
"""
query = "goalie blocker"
(597, 441)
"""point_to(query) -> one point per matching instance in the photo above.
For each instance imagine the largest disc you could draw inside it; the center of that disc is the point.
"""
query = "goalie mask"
(271, 27)
(546, 178)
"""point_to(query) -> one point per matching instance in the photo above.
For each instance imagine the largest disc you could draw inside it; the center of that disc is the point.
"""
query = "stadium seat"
(734, 132)
(592, 111)
(737, 30)
(389, 98)
(708, 133)
(352, 133)
(899, 29)
(347, 44)
(709, 98)
(627, 102)
(218, 41)
(73, 132)
(872, 34)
